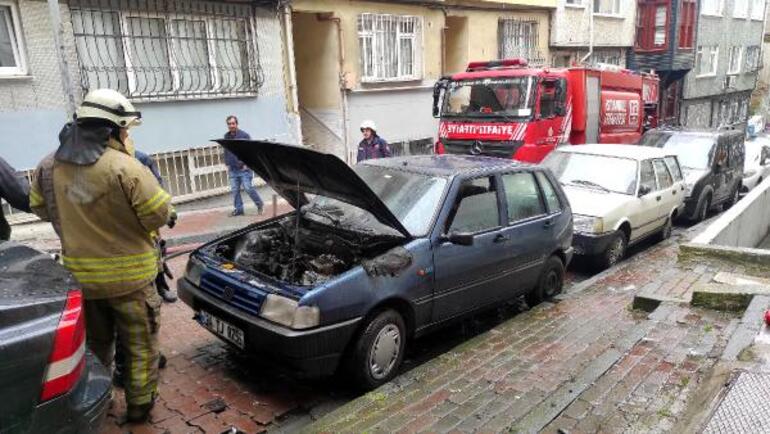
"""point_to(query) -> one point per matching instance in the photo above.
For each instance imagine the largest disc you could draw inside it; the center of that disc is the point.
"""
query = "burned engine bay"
(310, 253)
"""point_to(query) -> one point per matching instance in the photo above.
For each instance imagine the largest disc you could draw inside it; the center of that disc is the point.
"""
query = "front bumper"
(308, 353)
(591, 244)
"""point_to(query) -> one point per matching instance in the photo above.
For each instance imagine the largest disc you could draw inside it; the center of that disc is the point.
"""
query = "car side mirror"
(644, 190)
(459, 238)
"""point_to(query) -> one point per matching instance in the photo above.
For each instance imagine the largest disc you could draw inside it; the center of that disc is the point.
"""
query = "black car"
(385, 251)
(712, 165)
(49, 381)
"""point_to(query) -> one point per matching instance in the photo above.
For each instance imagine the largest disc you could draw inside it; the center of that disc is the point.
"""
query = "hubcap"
(385, 351)
(616, 251)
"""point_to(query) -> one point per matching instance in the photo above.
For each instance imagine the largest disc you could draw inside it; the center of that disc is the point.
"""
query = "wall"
(32, 109)
(571, 26)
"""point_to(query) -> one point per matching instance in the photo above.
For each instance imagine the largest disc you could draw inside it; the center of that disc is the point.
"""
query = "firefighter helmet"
(369, 124)
(111, 106)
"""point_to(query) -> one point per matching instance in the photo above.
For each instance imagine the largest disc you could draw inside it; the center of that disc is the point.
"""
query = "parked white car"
(620, 195)
(756, 164)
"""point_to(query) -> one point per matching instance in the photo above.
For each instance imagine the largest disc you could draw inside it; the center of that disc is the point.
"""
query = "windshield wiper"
(590, 184)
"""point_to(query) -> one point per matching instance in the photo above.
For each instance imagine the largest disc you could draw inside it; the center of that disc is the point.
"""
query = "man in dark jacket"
(15, 190)
(240, 174)
(372, 146)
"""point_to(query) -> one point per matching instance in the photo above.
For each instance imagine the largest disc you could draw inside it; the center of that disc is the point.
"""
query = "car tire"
(549, 284)
(733, 199)
(378, 350)
(616, 251)
(665, 232)
(703, 210)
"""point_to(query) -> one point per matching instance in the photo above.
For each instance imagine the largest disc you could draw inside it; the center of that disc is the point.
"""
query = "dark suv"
(385, 251)
(712, 165)
(49, 382)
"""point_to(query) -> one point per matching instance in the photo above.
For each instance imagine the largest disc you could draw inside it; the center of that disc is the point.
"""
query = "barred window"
(152, 50)
(390, 47)
(752, 58)
(517, 38)
(734, 55)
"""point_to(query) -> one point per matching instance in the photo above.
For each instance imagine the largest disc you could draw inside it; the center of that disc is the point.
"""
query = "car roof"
(696, 132)
(633, 152)
(448, 165)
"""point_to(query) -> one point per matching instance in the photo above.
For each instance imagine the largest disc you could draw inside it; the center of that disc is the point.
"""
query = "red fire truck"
(505, 108)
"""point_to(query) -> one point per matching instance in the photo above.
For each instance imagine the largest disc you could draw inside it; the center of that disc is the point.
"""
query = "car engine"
(304, 255)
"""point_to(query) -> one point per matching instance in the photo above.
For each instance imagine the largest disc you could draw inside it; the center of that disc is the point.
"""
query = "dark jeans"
(243, 178)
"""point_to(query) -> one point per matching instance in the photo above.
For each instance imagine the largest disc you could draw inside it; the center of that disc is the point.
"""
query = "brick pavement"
(586, 363)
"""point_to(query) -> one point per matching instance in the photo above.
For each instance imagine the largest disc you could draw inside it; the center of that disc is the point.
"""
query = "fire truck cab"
(506, 109)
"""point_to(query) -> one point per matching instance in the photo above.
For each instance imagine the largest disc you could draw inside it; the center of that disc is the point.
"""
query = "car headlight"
(194, 271)
(749, 173)
(285, 311)
(587, 224)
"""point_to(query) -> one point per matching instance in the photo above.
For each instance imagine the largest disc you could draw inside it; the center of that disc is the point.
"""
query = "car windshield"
(504, 97)
(594, 171)
(694, 151)
(413, 198)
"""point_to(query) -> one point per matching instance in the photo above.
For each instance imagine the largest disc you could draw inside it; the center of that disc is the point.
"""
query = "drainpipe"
(590, 33)
(54, 13)
(343, 90)
(291, 69)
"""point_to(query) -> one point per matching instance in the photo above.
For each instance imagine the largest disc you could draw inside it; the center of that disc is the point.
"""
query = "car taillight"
(69, 349)
(439, 147)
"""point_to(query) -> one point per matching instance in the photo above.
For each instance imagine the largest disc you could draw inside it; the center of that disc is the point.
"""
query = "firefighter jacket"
(104, 213)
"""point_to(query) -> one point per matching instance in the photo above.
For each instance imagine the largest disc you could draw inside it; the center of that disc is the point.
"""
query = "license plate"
(223, 329)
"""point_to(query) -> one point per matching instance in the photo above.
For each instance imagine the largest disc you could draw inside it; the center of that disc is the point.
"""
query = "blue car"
(376, 255)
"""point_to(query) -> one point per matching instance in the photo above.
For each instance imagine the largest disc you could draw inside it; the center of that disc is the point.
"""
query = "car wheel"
(733, 199)
(703, 211)
(550, 283)
(615, 252)
(378, 350)
(665, 233)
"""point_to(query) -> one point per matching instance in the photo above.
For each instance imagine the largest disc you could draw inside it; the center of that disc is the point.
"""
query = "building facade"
(605, 25)
(665, 43)
(727, 60)
(358, 60)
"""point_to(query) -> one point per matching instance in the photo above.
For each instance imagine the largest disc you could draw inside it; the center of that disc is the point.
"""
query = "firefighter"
(104, 205)
(372, 146)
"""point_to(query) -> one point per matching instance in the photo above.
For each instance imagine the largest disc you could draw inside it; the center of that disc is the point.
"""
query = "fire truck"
(505, 108)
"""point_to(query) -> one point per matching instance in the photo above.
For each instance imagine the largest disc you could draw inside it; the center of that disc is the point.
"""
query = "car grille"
(232, 294)
(503, 149)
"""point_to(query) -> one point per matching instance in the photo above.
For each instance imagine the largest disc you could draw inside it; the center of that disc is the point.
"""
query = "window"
(607, 7)
(743, 111)
(389, 47)
(757, 9)
(609, 57)
(741, 8)
(752, 58)
(712, 7)
(706, 60)
(518, 38)
(198, 49)
(652, 25)
(547, 99)
(673, 167)
(662, 175)
(476, 208)
(687, 24)
(522, 196)
(734, 60)
(551, 197)
(647, 176)
(12, 60)
(574, 3)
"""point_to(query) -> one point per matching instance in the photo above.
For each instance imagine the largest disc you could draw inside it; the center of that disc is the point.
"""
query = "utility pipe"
(291, 68)
(590, 33)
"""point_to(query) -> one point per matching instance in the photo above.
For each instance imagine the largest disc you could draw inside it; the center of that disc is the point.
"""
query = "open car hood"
(293, 171)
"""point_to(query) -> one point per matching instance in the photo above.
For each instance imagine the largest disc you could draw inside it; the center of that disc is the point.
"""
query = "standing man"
(372, 146)
(240, 175)
(104, 205)
(15, 190)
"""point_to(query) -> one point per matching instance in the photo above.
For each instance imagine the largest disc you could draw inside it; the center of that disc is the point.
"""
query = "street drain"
(745, 408)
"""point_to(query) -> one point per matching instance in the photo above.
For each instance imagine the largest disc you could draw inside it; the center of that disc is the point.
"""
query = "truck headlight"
(194, 271)
(285, 311)
(587, 224)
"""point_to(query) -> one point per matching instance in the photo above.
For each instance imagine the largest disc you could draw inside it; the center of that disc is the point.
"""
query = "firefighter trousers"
(136, 318)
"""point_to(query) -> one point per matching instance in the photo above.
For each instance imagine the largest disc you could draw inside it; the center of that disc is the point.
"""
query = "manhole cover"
(745, 408)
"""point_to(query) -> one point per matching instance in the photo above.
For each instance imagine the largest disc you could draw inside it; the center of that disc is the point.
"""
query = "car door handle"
(658, 198)
(547, 224)
(500, 238)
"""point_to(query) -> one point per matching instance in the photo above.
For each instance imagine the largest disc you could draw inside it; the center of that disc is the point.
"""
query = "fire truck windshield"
(490, 97)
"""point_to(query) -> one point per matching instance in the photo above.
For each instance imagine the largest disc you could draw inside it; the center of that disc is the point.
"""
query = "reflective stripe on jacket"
(104, 214)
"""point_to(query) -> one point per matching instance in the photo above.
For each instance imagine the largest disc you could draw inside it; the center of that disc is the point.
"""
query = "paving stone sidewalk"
(586, 363)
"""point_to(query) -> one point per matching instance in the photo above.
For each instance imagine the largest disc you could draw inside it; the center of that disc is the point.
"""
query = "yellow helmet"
(109, 105)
